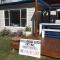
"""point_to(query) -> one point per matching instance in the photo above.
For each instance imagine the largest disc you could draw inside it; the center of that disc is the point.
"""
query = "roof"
(52, 1)
(45, 3)
(54, 4)
(16, 2)
(40, 2)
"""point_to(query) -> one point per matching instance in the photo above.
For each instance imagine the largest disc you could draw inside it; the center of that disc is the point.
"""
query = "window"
(23, 13)
(15, 18)
(58, 15)
(53, 16)
(6, 18)
(23, 17)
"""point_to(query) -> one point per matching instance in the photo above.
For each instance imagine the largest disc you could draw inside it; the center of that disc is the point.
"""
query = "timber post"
(36, 31)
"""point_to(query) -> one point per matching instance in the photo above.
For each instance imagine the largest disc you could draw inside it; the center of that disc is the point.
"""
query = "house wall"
(58, 20)
(2, 20)
(30, 13)
(55, 13)
(30, 16)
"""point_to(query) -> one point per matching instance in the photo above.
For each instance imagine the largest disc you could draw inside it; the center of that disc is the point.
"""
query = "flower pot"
(15, 42)
(28, 33)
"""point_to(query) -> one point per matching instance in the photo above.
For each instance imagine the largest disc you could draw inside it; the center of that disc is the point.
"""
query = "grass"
(7, 54)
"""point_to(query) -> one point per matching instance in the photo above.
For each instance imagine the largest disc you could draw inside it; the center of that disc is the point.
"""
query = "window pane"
(23, 22)
(6, 14)
(53, 18)
(6, 22)
(59, 15)
(15, 17)
(23, 13)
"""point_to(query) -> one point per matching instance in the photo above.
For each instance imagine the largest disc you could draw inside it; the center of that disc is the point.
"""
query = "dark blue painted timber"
(52, 34)
(18, 2)
(51, 26)
(41, 2)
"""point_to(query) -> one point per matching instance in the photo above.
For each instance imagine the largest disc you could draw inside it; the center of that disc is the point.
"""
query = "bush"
(5, 32)
(18, 33)
(28, 28)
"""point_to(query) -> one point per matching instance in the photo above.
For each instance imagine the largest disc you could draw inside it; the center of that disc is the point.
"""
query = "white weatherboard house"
(14, 19)
(17, 17)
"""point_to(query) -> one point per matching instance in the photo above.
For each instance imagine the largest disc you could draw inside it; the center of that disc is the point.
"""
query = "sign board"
(30, 47)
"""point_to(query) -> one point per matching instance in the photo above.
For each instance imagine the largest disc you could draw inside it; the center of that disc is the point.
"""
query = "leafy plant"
(20, 32)
(5, 32)
(28, 28)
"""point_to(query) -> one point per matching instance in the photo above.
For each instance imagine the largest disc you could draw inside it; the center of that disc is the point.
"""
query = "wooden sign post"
(36, 19)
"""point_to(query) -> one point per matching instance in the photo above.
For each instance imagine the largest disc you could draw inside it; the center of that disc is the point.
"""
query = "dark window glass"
(59, 15)
(6, 18)
(23, 13)
(6, 22)
(6, 14)
(15, 17)
(53, 18)
(23, 22)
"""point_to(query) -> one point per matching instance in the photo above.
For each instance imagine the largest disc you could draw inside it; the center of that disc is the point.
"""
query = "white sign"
(30, 47)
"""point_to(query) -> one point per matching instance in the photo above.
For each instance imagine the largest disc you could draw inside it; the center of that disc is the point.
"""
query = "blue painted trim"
(52, 34)
(19, 2)
(41, 2)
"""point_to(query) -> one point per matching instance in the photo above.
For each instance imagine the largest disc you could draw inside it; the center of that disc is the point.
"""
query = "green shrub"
(5, 32)
(20, 32)
(28, 28)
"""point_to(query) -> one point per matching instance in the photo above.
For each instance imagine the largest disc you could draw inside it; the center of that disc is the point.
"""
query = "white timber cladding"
(2, 20)
(30, 14)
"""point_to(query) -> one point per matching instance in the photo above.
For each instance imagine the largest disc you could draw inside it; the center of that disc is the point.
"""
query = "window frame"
(20, 16)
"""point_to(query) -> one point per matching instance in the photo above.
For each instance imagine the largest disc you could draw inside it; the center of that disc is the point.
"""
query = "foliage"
(5, 32)
(18, 33)
(7, 54)
(28, 28)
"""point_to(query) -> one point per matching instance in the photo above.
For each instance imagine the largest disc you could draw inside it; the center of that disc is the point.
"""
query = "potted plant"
(15, 40)
(28, 31)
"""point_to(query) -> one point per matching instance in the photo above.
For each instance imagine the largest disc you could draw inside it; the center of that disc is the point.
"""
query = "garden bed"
(7, 54)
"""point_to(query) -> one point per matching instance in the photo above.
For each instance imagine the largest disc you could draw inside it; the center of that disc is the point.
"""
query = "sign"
(30, 47)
